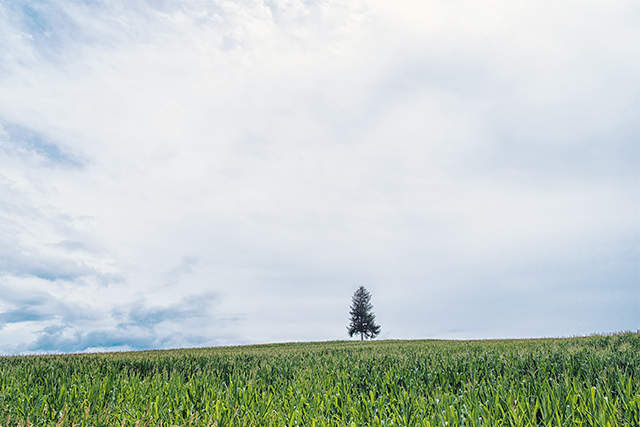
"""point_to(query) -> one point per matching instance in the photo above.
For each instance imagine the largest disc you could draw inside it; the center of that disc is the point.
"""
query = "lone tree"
(363, 321)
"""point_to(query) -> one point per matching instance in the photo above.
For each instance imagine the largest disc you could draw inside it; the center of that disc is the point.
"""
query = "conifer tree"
(362, 318)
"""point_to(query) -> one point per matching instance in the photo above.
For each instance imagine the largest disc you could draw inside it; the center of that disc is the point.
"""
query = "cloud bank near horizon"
(211, 173)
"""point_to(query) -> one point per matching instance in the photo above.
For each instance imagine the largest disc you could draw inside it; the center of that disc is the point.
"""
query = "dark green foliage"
(590, 381)
(363, 321)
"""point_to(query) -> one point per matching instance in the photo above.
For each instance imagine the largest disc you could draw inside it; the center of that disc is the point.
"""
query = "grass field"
(587, 381)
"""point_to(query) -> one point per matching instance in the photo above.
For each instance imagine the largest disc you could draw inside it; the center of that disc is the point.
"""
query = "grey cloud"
(19, 261)
(140, 315)
(77, 246)
(25, 311)
(185, 267)
(49, 268)
(33, 305)
(582, 133)
(62, 260)
(78, 328)
(65, 339)
(140, 329)
(548, 150)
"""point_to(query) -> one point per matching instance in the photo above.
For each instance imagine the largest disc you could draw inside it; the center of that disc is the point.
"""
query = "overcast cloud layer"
(197, 173)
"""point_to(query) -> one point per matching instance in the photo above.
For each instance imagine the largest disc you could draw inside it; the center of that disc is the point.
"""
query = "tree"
(363, 321)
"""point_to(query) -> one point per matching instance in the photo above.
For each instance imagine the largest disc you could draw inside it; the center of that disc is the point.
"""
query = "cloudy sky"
(203, 173)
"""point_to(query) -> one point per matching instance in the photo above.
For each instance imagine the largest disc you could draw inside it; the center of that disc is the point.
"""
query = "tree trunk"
(361, 336)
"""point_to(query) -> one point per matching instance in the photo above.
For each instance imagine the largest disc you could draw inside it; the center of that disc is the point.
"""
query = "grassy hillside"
(589, 381)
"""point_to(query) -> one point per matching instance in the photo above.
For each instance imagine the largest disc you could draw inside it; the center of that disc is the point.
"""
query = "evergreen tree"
(362, 318)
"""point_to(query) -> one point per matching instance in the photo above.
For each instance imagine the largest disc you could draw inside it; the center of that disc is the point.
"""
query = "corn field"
(586, 381)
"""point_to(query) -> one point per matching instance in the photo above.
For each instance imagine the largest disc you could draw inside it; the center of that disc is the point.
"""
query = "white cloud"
(279, 154)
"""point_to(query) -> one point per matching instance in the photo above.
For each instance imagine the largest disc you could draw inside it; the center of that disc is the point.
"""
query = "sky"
(207, 173)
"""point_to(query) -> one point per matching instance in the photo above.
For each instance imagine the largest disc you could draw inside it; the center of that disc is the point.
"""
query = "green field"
(587, 381)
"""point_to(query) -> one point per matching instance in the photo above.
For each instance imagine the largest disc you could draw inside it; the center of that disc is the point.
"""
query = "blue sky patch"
(25, 141)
